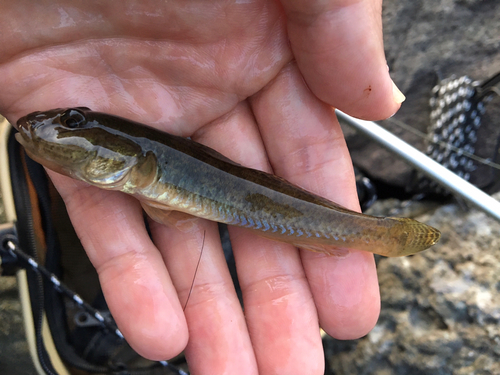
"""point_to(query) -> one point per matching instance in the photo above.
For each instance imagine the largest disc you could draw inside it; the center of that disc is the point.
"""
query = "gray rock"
(440, 308)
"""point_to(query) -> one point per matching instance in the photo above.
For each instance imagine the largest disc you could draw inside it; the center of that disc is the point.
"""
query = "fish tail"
(415, 235)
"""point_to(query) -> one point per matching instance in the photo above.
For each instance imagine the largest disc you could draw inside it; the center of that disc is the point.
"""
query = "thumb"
(339, 50)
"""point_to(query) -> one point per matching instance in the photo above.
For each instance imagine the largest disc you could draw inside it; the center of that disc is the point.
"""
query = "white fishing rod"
(425, 164)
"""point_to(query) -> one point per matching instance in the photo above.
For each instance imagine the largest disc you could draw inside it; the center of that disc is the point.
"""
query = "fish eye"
(73, 118)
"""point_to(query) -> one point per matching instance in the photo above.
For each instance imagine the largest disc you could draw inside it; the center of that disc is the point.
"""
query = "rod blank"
(425, 164)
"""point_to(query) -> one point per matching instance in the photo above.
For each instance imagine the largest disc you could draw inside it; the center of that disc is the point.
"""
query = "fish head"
(75, 143)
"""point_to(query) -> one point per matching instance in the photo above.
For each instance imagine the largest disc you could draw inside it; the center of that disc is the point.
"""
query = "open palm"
(256, 80)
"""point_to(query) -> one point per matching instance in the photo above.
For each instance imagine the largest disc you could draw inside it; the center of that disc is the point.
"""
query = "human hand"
(226, 75)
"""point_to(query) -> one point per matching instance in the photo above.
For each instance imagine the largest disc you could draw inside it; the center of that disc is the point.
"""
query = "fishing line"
(195, 271)
(418, 133)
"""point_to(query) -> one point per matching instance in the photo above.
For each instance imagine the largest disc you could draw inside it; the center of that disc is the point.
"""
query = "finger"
(135, 282)
(305, 145)
(339, 49)
(279, 309)
(218, 336)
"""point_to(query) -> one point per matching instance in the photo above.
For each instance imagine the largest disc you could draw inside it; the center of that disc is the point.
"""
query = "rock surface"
(440, 308)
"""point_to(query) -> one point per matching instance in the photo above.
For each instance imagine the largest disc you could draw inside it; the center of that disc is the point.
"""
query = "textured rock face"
(425, 40)
(440, 309)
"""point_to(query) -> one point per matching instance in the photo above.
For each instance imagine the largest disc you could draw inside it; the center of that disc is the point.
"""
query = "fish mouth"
(21, 138)
(33, 120)
(25, 135)
(27, 127)
(38, 149)
(22, 123)
(26, 122)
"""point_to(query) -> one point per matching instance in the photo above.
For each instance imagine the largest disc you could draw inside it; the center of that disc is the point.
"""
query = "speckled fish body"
(170, 173)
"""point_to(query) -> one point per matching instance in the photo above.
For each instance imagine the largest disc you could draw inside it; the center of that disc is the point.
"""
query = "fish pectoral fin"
(165, 215)
(159, 215)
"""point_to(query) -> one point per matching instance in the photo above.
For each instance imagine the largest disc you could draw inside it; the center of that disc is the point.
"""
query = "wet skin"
(253, 81)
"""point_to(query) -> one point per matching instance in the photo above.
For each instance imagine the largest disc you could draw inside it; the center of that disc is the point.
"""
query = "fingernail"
(397, 94)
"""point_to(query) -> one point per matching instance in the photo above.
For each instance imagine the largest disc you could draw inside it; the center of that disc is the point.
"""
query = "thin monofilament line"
(446, 178)
(418, 133)
(195, 272)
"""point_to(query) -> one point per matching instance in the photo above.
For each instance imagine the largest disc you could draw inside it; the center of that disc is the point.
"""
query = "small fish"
(167, 174)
